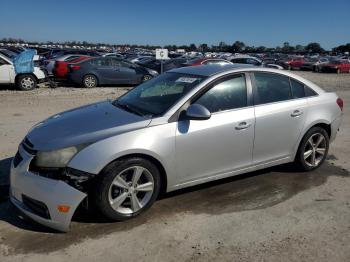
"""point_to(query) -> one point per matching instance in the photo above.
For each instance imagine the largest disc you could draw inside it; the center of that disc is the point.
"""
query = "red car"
(292, 63)
(61, 67)
(337, 66)
(206, 61)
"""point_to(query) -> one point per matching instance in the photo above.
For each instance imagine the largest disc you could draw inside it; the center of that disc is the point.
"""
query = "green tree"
(314, 48)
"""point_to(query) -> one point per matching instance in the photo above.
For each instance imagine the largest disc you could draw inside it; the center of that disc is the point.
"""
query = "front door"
(5, 71)
(224, 142)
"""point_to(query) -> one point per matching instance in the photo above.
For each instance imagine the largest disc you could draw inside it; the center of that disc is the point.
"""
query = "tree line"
(236, 47)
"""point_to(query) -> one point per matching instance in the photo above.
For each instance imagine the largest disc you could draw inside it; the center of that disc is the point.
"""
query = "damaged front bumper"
(42, 198)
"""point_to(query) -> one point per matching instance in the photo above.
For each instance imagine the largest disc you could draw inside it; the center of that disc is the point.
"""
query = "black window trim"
(175, 117)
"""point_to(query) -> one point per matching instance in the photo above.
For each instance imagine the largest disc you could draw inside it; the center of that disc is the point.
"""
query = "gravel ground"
(270, 215)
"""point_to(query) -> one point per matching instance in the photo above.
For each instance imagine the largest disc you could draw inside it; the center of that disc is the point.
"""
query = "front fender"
(155, 141)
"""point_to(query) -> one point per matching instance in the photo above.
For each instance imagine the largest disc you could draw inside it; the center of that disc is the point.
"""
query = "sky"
(255, 22)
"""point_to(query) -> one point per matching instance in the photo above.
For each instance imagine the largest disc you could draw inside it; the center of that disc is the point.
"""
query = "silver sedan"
(185, 127)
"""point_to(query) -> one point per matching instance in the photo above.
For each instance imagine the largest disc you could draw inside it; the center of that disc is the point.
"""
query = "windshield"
(157, 95)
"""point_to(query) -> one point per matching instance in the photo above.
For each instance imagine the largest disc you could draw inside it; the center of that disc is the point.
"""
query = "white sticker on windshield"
(189, 80)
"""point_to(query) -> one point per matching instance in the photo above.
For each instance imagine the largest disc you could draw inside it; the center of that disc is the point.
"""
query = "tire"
(310, 157)
(116, 185)
(90, 81)
(26, 82)
(146, 78)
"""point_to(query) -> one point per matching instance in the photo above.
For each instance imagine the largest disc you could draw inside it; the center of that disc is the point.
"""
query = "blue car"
(108, 71)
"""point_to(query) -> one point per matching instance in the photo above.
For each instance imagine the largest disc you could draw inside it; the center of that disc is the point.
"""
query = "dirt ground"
(271, 215)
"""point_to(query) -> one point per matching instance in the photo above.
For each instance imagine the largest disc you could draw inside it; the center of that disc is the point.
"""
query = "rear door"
(280, 111)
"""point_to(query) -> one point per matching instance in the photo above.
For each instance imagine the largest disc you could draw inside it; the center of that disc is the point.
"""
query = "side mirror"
(197, 112)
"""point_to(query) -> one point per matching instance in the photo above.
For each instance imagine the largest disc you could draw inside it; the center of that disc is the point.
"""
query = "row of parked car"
(90, 68)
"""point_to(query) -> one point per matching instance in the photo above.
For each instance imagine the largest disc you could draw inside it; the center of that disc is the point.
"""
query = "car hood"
(83, 125)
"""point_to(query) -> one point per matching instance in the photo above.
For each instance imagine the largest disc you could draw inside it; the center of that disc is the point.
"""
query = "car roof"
(209, 70)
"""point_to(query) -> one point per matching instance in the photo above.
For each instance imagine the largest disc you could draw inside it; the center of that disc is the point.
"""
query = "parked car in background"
(336, 66)
(25, 82)
(8, 53)
(55, 53)
(206, 61)
(113, 55)
(50, 63)
(312, 64)
(155, 64)
(107, 71)
(249, 60)
(254, 61)
(61, 67)
(140, 59)
(291, 63)
(186, 127)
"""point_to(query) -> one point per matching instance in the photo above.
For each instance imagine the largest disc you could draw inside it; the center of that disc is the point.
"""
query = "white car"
(27, 81)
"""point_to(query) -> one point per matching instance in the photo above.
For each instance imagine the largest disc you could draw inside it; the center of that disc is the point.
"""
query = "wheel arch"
(322, 123)
(152, 159)
(24, 74)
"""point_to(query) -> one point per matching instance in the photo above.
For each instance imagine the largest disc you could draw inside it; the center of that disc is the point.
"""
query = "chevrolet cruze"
(185, 127)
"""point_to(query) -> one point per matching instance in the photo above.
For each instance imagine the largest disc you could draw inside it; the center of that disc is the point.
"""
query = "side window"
(297, 89)
(71, 58)
(238, 60)
(271, 88)
(99, 62)
(228, 94)
(309, 92)
(252, 61)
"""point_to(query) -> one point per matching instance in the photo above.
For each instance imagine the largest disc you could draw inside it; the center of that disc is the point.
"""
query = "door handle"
(242, 125)
(296, 113)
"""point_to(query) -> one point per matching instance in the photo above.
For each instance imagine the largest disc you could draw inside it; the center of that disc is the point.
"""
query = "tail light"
(340, 103)
(75, 67)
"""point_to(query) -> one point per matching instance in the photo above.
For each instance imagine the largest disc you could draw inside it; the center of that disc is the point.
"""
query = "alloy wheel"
(131, 190)
(315, 150)
(90, 81)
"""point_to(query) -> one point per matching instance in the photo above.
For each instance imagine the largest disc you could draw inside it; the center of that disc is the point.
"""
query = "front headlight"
(57, 158)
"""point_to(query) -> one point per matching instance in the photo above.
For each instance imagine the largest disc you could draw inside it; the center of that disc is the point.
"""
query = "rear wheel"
(90, 81)
(127, 188)
(313, 149)
(26, 82)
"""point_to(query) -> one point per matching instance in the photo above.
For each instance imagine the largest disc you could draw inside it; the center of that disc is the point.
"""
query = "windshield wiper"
(128, 108)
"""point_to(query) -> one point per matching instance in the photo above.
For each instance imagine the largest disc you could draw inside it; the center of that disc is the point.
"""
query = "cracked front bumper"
(44, 194)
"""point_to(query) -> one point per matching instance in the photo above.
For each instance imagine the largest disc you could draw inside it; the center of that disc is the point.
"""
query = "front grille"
(17, 159)
(36, 207)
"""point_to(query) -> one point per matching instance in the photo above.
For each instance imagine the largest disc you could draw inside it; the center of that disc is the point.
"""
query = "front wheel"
(146, 78)
(127, 188)
(26, 82)
(313, 149)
